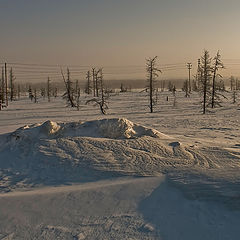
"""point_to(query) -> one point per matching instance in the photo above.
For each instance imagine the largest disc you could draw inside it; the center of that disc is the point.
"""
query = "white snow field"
(171, 175)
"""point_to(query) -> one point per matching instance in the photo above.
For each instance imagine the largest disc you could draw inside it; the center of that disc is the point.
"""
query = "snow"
(116, 128)
(67, 174)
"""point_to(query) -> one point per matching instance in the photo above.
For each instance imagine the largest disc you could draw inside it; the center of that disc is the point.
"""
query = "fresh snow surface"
(67, 174)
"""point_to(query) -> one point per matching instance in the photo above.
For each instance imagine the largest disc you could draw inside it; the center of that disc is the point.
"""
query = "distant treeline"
(116, 84)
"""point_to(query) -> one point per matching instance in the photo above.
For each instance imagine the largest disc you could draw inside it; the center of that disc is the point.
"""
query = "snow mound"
(116, 128)
(123, 128)
(48, 129)
(60, 153)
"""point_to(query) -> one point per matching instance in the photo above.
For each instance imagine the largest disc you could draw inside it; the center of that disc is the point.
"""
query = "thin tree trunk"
(205, 85)
(48, 89)
(3, 87)
(6, 84)
(151, 89)
(93, 79)
(214, 85)
(96, 83)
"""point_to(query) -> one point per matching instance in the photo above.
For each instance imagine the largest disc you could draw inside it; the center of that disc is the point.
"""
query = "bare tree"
(189, 66)
(234, 97)
(217, 65)
(55, 92)
(97, 79)
(35, 95)
(199, 76)
(88, 88)
(237, 84)
(12, 86)
(19, 91)
(43, 92)
(30, 93)
(103, 104)
(48, 89)
(152, 74)
(93, 80)
(102, 100)
(185, 88)
(77, 93)
(206, 78)
(2, 87)
(6, 83)
(68, 95)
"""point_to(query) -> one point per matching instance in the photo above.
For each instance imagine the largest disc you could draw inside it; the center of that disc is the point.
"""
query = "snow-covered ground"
(68, 174)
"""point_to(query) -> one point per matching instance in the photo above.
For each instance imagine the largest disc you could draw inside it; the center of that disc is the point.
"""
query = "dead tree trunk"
(35, 95)
(88, 86)
(3, 87)
(93, 79)
(11, 79)
(19, 91)
(207, 70)
(6, 84)
(152, 71)
(218, 64)
(96, 82)
(100, 101)
(68, 85)
(48, 89)
(77, 90)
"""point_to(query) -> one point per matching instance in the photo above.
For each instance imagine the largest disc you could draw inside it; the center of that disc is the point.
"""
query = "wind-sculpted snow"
(87, 179)
(116, 128)
(60, 153)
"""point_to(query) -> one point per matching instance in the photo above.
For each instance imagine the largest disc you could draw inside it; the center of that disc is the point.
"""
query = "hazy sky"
(119, 32)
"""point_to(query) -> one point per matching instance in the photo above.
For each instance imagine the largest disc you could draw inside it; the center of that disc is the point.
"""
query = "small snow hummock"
(116, 128)
(49, 128)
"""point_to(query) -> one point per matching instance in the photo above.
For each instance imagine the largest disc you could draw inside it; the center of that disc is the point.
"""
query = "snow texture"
(172, 176)
(116, 128)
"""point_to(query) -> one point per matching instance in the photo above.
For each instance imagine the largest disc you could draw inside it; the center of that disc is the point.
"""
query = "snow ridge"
(115, 128)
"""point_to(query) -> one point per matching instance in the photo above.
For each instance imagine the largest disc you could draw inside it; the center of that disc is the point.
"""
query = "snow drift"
(116, 128)
(61, 153)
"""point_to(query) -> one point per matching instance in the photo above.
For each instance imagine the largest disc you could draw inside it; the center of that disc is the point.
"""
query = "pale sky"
(120, 33)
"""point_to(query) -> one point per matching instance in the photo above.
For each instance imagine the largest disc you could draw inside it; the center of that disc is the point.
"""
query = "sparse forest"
(207, 81)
